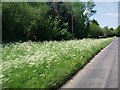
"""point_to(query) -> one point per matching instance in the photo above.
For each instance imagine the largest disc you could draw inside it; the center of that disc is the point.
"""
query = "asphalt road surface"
(101, 72)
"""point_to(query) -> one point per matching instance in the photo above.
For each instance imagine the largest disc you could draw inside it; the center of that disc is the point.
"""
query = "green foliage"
(11, 19)
(108, 32)
(39, 21)
(48, 64)
(22, 21)
(78, 20)
(0, 7)
(118, 31)
(95, 30)
(89, 7)
(32, 21)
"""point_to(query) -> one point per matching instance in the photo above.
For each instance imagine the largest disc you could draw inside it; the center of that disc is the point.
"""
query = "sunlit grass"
(48, 64)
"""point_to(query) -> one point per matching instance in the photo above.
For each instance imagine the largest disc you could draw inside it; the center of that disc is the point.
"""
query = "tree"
(11, 20)
(20, 24)
(108, 32)
(118, 31)
(95, 30)
(78, 20)
(46, 21)
(89, 11)
(95, 21)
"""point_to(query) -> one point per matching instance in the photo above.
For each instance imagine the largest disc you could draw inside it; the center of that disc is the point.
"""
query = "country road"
(101, 72)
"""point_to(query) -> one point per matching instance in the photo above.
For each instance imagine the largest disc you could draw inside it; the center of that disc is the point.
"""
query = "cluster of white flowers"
(37, 53)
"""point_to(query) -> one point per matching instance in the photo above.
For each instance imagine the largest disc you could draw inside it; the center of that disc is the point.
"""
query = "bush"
(94, 31)
(118, 31)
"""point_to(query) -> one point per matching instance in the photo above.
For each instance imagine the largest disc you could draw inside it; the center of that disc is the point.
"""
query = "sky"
(107, 14)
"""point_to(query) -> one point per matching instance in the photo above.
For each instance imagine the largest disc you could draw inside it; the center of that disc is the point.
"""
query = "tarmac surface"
(101, 72)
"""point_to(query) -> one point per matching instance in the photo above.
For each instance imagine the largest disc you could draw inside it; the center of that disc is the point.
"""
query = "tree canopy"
(39, 21)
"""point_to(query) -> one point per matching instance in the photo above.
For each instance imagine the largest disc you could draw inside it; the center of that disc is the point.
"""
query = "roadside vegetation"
(40, 21)
(48, 64)
(45, 43)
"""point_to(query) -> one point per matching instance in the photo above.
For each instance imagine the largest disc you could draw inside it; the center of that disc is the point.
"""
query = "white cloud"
(112, 14)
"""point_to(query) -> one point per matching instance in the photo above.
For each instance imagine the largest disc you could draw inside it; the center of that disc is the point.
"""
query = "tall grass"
(48, 64)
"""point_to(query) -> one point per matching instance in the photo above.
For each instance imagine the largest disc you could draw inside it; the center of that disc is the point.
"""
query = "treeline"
(39, 21)
(118, 31)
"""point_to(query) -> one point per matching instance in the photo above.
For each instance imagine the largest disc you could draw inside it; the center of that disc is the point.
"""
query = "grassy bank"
(48, 64)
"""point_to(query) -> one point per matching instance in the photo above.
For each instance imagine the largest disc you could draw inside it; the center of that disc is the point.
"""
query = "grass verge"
(48, 64)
